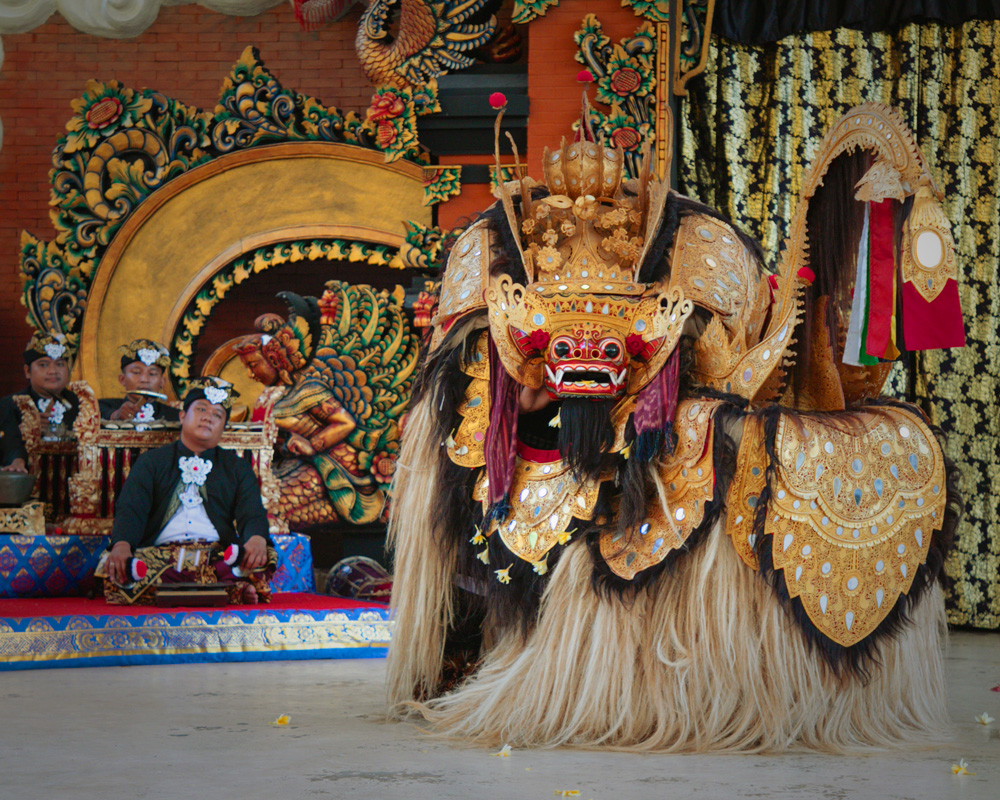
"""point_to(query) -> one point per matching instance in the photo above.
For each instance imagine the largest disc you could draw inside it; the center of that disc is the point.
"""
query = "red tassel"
(882, 274)
(657, 402)
(501, 437)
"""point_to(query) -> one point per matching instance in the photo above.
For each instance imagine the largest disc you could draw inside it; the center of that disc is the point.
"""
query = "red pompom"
(806, 274)
(139, 569)
(498, 100)
(584, 76)
(231, 554)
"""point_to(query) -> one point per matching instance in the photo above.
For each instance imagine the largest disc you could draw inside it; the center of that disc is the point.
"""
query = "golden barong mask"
(578, 343)
(583, 326)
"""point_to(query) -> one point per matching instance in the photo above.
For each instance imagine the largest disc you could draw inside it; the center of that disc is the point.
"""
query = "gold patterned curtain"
(749, 131)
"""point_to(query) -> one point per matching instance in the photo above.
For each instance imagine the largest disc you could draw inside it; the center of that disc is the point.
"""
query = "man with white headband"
(46, 366)
(143, 376)
(191, 512)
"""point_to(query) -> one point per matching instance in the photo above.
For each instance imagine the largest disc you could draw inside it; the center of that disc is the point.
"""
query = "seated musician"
(143, 376)
(191, 512)
(46, 366)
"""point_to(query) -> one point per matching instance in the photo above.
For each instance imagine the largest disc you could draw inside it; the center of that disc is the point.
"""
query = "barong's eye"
(561, 349)
(612, 350)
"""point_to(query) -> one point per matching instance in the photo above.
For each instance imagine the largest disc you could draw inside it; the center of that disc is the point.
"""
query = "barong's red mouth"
(585, 379)
(586, 363)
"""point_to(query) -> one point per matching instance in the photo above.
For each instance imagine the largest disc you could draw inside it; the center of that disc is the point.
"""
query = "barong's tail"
(424, 566)
(703, 660)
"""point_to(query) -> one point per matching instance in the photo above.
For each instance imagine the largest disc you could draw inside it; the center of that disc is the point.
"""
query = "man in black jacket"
(46, 366)
(144, 365)
(191, 512)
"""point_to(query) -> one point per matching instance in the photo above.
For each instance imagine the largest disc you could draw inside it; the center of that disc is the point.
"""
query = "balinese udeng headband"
(145, 351)
(46, 345)
(215, 390)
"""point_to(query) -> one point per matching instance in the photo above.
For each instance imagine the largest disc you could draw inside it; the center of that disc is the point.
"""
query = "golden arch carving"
(182, 235)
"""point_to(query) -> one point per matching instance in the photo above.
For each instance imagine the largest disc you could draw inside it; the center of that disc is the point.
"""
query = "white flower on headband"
(55, 350)
(215, 396)
(147, 355)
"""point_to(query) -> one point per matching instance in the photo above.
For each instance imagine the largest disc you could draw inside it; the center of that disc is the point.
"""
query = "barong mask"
(583, 325)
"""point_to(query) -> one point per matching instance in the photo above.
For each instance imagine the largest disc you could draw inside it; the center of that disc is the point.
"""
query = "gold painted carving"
(716, 271)
(852, 512)
(744, 491)
(687, 481)
(545, 497)
(928, 253)
(653, 317)
(24, 520)
(142, 265)
(467, 446)
(465, 277)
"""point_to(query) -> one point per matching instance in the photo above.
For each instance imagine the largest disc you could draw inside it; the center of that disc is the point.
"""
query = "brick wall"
(185, 54)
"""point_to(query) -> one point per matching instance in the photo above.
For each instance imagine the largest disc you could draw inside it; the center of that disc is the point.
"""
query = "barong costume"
(60, 421)
(712, 537)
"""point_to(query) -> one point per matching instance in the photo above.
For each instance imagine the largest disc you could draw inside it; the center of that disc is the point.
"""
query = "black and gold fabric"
(749, 130)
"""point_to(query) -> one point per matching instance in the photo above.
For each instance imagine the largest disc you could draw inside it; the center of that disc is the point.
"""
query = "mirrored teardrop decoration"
(799, 460)
(836, 486)
(878, 487)
(857, 497)
(913, 461)
(895, 471)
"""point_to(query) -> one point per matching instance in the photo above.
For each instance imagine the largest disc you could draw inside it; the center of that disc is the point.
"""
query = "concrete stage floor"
(202, 731)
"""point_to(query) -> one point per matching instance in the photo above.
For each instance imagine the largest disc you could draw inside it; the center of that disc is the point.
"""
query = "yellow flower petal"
(504, 751)
(961, 768)
(284, 719)
(503, 575)
(484, 556)
(567, 793)
(984, 719)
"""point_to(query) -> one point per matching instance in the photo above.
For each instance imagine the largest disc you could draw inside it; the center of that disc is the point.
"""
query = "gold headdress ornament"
(147, 351)
(216, 390)
(583, 324)
(46, 345)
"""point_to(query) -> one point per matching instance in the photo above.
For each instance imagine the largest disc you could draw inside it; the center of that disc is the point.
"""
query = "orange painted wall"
(553, 92)
(185, 54)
